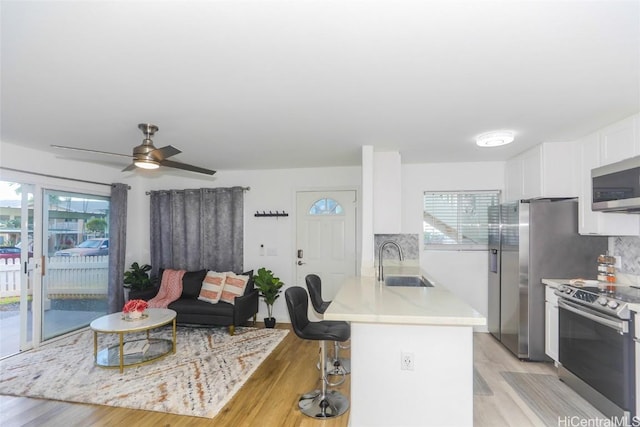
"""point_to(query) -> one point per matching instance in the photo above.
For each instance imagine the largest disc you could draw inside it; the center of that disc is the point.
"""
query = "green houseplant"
(137, 277)
(269, 288)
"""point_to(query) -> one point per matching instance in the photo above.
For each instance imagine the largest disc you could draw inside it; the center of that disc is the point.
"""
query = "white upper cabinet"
(609, 145)
(547, 170)
(619, 141)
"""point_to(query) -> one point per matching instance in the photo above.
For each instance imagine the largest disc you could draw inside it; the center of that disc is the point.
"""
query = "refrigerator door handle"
(493, 261)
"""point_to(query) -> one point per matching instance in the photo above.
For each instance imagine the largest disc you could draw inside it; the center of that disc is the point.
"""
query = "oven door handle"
(621, 326)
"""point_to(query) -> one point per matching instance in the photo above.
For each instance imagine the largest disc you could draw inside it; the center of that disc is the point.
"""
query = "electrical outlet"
(406, 361)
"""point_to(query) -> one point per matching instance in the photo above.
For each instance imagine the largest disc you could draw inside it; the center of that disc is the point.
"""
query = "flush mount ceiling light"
(495, 138)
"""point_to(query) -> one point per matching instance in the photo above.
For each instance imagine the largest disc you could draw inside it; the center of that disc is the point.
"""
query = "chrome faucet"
(381, 250)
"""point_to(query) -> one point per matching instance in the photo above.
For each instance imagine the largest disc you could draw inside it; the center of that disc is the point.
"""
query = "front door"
(326, 238)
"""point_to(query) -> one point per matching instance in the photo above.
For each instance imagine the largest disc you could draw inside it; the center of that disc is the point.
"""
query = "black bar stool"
(338, 365)
(321, 403)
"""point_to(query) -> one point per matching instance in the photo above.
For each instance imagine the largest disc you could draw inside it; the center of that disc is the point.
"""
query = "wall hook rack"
(270, 214)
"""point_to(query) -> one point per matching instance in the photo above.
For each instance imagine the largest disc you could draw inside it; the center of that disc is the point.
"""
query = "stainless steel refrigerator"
(530, 240)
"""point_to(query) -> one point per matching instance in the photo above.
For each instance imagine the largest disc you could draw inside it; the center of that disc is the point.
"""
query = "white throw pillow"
(234, 286)
(212, 286)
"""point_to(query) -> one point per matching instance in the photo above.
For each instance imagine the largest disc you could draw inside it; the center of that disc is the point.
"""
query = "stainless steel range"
(596, 348)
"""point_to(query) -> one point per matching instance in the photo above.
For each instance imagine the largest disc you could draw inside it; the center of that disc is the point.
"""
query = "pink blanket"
(170, 289)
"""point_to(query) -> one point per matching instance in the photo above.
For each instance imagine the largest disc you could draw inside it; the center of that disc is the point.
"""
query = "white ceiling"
(271, 84)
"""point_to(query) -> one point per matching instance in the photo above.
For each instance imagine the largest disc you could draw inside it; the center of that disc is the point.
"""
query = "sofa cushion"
(192, 282)
(197, 307)
(212, 287)
(234, 286)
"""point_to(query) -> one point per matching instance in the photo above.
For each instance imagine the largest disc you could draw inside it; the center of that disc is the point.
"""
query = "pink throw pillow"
(212, 286)
(234, 286)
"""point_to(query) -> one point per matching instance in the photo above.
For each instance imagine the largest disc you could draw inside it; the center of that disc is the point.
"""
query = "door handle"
(300, 262)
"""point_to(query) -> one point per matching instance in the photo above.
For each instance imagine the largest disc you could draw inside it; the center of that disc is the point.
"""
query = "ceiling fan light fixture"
(495, 138)
(146, 164)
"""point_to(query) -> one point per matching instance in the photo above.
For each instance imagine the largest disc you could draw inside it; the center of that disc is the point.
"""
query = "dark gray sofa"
(191, 311)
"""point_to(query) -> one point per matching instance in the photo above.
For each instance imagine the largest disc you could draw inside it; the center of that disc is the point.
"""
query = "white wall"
(366, 213)
(271, 190)
(387, 200)
(462, 272)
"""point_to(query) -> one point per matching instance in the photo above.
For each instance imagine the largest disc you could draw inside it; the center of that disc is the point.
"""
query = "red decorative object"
(135, 305)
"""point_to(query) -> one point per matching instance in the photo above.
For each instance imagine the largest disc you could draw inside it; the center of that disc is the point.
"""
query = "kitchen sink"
(407, 281)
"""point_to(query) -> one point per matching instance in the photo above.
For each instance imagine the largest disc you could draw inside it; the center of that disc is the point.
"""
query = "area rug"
(207, 369)
(551, 399)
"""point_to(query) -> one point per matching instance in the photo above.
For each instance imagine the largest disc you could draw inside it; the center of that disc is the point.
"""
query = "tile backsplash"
(628, 248)
(408, 242)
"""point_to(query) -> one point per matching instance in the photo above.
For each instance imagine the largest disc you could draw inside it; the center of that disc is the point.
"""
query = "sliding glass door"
(76, 253)
(54, 249)
(16, 267)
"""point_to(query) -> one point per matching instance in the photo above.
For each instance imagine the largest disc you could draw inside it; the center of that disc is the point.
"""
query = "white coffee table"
(114, 357)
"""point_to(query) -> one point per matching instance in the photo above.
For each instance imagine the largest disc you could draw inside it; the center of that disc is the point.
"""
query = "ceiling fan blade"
(86, 150)
(131, 167)
(191, 168)
(162, 153)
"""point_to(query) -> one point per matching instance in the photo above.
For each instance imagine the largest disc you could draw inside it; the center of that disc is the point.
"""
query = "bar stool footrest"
(333, 404)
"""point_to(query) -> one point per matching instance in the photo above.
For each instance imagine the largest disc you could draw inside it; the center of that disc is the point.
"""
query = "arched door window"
(326, 206)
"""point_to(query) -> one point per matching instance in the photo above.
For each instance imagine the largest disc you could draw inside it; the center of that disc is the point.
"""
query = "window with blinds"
(457, 219)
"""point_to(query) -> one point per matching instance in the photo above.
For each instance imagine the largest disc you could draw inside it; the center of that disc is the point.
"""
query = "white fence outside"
(65, 277)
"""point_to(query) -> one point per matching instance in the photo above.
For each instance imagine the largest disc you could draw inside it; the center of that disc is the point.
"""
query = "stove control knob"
(602, 301)
(561, 288)
(613, 304)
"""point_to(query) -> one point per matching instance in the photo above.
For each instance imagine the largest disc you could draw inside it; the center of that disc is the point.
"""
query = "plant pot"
(270, 322)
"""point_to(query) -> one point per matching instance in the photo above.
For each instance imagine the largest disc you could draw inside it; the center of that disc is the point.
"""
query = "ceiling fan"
(146, 155)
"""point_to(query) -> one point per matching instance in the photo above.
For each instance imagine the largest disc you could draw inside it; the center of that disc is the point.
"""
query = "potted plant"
(269, 289)
(137, 278)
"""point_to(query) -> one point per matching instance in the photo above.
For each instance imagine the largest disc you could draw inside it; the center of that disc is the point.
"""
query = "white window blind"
(457, 218)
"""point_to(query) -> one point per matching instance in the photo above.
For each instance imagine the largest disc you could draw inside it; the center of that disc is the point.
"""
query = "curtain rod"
(58, 177)
(149, 192)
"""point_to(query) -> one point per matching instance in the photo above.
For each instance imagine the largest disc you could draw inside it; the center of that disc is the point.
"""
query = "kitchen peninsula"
(411, 353)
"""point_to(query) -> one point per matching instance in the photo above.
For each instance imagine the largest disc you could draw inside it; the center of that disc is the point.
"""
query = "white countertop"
(554, 283)
(364, 299)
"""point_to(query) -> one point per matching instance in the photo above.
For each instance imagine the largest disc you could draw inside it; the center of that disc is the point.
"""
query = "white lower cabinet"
(637, 344)
(551, 323)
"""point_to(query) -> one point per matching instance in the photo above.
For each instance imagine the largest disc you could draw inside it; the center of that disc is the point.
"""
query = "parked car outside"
(90, 247)
(12, 252)
(9, 252)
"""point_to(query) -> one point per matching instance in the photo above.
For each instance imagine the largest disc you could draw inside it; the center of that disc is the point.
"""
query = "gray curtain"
(117, 246)
(197, 229)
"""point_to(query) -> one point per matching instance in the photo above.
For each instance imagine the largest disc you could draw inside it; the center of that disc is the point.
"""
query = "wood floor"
(269, 398)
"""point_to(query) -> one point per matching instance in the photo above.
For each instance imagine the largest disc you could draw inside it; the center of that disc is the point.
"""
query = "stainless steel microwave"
(616, 187)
